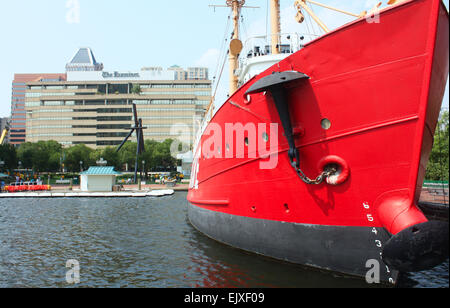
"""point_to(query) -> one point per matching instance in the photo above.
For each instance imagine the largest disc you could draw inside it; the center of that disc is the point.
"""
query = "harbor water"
(145, 243)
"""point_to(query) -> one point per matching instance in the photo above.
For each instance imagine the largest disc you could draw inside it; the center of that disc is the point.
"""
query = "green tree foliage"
(9, 156)
(147, 156)
(45, 155)
(136, 89)
(25, 155)
(112, 157)
(54, 149)
(108, 154)
(74, 155)
(127, 155)
(40, 156)
(48, 156)
(161, 155)
(156, 155)
(94, 156)
(437, 169)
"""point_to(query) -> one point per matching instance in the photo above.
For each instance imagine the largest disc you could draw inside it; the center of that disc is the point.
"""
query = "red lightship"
(321, 156)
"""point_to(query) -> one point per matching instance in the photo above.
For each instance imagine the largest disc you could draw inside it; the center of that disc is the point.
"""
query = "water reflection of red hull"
(381, 86)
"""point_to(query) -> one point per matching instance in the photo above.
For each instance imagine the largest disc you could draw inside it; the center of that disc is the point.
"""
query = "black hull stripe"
(340, 249)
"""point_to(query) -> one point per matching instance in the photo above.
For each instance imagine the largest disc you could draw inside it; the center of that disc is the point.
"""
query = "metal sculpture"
(140, 139)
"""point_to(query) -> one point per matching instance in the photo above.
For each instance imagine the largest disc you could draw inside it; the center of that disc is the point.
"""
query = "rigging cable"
(267, 20)
(222, 58)
(244, 27)
(308, 20)
(222, 47)
(314, 24)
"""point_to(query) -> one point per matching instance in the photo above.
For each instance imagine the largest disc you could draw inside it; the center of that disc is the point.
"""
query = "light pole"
(20, 168)
(143, 169)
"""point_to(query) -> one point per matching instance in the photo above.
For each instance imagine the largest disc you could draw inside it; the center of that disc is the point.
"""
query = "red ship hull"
(381, 86)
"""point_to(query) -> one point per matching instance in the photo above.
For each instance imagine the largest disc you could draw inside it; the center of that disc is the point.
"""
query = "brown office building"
(94, 107)
(17, 133)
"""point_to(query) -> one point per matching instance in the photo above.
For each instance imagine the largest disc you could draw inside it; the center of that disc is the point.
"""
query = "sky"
(42, 36)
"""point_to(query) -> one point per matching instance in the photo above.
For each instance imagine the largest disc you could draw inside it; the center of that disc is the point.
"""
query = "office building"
(192, 73)
(94, 107)
(17, 132)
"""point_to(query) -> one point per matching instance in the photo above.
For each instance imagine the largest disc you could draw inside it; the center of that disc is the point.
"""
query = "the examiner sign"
(120, 75)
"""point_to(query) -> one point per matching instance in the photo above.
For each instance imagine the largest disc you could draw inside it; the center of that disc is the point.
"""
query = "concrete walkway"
(79, 194)
(149, 187)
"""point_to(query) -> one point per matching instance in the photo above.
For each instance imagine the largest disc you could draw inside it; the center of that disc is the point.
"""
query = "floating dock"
(80, 194)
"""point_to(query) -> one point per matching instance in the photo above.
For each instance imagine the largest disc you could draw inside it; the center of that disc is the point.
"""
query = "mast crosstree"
(235, 44)
(301, 5)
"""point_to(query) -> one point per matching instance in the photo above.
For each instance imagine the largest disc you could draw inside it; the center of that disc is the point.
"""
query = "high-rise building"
(192, 73)
(197, 73)
(179, 72)
(94, 107)
(17, 133)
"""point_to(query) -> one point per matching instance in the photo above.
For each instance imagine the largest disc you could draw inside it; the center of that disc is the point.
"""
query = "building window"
(105, 143)
(114, 110)
(112, 119)
(111, 135)
(113, 126)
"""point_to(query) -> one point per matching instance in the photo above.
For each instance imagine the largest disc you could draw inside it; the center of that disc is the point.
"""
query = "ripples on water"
(141, 243)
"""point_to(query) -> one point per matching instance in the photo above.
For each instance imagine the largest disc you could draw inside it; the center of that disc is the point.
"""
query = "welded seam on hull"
(350, 133)
(368, 68)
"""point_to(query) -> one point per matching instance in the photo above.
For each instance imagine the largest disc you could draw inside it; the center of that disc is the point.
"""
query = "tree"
(75, 154)
(161, 155)
(40, 156)
(438, 165)
(25, 155)
(54, 150)
(8, 155)
(48, 156)
(112, 157)
(136, 89)
(127, 154)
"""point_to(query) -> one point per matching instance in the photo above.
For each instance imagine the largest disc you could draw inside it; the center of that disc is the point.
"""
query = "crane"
(3, 136)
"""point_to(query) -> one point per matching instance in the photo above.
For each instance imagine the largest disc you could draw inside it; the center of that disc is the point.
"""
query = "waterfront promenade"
(151, 190)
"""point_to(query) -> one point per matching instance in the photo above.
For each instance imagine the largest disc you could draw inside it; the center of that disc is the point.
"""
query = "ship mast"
(275, 25)
(235, 44)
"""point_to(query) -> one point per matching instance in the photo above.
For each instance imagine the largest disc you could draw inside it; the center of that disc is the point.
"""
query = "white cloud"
(209, 59)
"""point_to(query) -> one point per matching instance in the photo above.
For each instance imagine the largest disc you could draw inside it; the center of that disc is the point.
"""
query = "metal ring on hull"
(343, 170)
